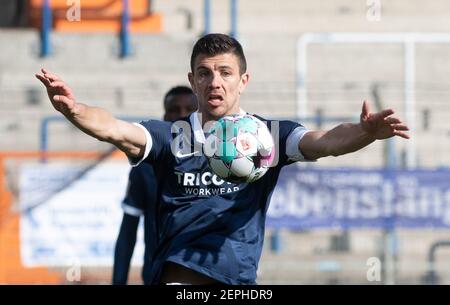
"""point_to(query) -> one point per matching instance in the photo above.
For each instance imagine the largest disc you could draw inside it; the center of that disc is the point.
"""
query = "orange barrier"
(12, 270)
(98, 16)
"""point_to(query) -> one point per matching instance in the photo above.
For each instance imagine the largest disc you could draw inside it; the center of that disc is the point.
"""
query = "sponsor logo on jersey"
(204, 184)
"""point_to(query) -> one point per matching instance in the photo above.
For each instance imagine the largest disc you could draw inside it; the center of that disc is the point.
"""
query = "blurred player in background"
(141, 197)
(215, 236)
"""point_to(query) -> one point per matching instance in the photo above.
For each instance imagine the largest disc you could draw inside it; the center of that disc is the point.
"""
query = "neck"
(205, 117)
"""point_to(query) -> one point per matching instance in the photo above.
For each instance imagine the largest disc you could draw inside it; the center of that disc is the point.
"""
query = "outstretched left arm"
(347, 137)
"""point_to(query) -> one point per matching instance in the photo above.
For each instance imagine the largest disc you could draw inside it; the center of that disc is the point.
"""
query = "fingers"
(382, 115)
(399, 127)
(43, 80)
(365, 109)
(58, 84)
(62, 99)
(401, 134)
(52, 82)
(396, 123)
(47, 78)
(49, 75)
(392, 120)
(63, 104)
(386, 112)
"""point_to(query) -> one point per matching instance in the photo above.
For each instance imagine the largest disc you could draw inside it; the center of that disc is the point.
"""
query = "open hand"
(382, 125)
(58, 92)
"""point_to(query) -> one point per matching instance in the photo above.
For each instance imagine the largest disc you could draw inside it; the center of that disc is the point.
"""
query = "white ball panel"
(247, 144)
(242, 167)
(265, 138)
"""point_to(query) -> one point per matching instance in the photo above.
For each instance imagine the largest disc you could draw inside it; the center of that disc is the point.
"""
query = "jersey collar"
(199, 135)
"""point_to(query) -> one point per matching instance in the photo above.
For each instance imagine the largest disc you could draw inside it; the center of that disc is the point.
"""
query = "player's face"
(218, 84)
(180, 106)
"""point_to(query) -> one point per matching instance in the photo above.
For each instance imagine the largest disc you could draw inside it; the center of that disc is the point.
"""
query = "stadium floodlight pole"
(302, 70)
(410, 94)
(124, 30)
(408, 40)
(45, 29)
(207, 16)
(233, 18)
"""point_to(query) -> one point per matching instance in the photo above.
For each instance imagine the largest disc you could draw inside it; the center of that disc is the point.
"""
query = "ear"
(191, 81)
(244, 81)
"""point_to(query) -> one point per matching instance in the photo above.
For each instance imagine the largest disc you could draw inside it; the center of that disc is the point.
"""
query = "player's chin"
(217, 112)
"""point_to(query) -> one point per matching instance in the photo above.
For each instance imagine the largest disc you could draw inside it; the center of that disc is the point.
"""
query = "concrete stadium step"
(97, 77)
(98, 50)
(267, 16)
(305, 257)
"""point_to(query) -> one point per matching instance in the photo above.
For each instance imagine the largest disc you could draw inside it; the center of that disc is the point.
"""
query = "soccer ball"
(239, 148)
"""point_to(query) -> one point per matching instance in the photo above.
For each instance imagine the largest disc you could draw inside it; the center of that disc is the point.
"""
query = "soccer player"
(216, 235)
(141, 197)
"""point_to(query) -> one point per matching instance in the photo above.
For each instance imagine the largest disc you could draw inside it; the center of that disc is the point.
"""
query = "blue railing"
(47, 17)
(45, 29)
(233, 17)
(207, 17)
(125, 31)
(46, 121)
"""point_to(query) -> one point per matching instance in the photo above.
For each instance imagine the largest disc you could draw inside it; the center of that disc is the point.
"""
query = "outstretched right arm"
(94, 121)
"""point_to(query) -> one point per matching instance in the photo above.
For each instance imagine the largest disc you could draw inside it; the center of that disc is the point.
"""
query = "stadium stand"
(98, 16)
(339, 78)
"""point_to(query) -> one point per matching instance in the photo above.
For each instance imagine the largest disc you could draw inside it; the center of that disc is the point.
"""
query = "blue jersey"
(204, 223)
(141, 200)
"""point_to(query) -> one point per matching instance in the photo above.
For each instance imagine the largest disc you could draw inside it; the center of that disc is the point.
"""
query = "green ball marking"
(229, 129)
(227, 151)
(247, 125)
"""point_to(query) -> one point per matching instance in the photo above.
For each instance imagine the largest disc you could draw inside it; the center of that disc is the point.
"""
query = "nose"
(215, 81)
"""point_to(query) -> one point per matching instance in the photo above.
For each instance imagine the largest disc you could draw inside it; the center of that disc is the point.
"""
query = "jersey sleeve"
(133, 203)
(290, 134)
(158, 136)
(141, 190)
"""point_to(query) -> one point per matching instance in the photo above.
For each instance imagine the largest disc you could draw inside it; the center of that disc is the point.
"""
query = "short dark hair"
(178, 90)
(216, 44)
